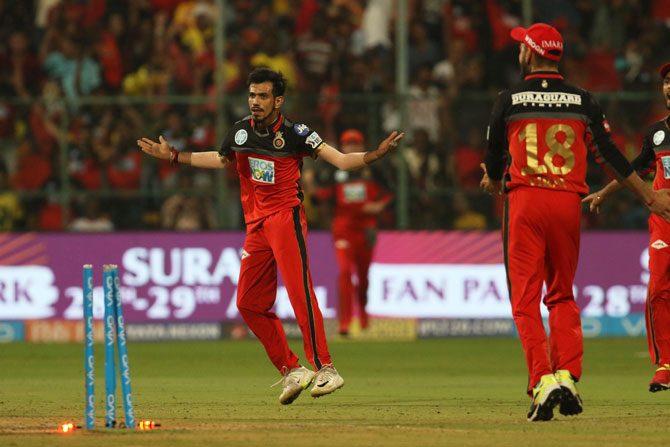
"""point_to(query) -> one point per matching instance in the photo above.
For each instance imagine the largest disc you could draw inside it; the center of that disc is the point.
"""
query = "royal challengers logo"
(278, 142)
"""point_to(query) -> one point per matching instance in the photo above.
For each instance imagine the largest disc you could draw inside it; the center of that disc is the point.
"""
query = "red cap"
(542, 39)
(352, 136)
(664, 70)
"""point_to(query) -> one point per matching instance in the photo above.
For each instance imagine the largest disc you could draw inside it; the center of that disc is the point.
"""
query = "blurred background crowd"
(82, 80)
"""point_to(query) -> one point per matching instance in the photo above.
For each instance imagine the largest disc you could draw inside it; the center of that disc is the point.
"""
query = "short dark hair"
(264, 74)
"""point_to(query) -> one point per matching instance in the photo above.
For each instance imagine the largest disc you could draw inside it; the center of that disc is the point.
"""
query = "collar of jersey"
(275, 126)
(544, 74)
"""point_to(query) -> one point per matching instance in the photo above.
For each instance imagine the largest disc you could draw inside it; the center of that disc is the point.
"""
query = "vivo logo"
(90, 373)
(121, 330)
(111, 404)
(109, 296)
(126, 370)
(89, 331)
(109, 333)
(130, 412)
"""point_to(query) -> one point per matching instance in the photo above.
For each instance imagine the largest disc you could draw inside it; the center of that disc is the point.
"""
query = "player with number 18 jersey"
(538, 137)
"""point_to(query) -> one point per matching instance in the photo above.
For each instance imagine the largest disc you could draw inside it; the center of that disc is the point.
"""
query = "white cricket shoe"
(293, 382)
(327, 380)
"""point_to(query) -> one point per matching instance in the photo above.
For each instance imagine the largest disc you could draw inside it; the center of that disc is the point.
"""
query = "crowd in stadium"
(339, 57)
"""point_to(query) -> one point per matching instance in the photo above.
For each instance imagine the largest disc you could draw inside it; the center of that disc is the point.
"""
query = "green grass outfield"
(461, 392)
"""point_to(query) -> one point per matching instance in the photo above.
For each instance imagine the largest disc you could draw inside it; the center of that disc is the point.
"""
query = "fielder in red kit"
(358, 203)
(538, 137)
(269, 149)
(654, 156)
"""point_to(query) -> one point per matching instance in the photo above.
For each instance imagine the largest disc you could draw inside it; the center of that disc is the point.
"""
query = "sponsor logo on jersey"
(278, 142)
(658, 138)
(301, 129)
(241, 137)
(354, 193)
(659, 244)
(262, 171)
(314, 140)
(666, 166)
(542, 99)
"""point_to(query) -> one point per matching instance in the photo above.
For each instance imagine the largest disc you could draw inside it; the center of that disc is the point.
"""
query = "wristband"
(174, 156)
(651, 202)
(368, 157)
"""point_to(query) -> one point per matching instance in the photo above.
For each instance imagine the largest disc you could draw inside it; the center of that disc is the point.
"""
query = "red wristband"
(174, 156)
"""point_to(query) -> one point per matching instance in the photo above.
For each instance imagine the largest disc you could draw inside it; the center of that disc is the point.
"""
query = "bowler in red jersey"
(268, 148)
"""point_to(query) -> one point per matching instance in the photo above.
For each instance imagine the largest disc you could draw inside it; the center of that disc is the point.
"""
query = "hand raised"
(389, 143)
(158, 150)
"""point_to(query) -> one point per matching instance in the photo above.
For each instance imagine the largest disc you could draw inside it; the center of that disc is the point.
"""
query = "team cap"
(352, 136)
(542, 39)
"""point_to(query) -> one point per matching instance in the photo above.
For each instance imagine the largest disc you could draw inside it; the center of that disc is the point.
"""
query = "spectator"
(92, 220)
(11, 212)
(77, 73)
(186, 212)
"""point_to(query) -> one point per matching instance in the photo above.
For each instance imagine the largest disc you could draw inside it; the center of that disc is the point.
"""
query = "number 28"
(562, 148)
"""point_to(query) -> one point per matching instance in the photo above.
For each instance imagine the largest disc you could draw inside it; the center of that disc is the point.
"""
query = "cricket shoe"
(546, 395)
(571, 403)
(293, 382)
(661, 380)
(327, 380)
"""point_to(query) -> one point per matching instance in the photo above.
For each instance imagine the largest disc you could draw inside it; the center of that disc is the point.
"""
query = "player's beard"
(525, 69)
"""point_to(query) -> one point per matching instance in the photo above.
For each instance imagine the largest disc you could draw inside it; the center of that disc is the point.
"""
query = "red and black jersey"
(545, 125)
(269, 163)
(655, 154)
(351, 191)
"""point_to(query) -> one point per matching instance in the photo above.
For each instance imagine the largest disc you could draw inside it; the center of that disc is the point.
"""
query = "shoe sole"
(294, 396)
(315, 396)
(291, 398)
(545, 411)
(655, 387)
(570, 404)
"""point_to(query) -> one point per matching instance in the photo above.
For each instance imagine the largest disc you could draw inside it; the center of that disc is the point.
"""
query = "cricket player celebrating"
(546, 124)
(655, 155)
(269, 149)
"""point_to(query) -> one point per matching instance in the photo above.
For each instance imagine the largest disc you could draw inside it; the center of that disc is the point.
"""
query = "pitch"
(461, 392)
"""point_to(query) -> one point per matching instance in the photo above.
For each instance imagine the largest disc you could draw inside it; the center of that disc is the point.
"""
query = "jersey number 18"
(556, 147)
